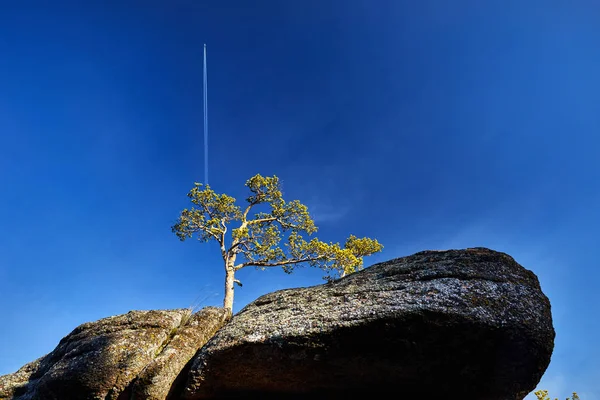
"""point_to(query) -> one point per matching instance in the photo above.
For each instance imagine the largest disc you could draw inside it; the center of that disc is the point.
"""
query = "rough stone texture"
(98, 360)
(469, 324)
(13, 384)
(157, 380)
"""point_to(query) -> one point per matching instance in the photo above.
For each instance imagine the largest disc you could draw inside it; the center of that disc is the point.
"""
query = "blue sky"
(428, 125)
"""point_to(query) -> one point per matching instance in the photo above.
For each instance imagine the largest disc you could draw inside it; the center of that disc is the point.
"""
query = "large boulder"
(103, 359)
(470, 324)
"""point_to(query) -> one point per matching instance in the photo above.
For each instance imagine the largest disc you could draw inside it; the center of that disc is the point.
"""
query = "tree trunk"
(229, 278)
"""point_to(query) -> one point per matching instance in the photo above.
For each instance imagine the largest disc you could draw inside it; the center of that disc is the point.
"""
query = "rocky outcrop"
(13, 385)
(159, 378)
(108, 358)
(469, 324)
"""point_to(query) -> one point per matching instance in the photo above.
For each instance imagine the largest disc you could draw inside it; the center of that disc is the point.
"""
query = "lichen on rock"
(102, 359)
(472, 323)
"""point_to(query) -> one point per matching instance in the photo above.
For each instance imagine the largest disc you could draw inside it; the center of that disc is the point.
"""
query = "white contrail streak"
(205, 122)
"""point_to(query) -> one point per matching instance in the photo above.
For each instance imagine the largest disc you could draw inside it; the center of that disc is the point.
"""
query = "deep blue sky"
(425, 124)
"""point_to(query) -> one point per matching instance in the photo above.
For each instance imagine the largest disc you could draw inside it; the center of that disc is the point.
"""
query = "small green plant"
(543, 395)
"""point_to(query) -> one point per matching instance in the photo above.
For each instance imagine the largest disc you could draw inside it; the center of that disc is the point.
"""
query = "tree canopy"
(257, 238)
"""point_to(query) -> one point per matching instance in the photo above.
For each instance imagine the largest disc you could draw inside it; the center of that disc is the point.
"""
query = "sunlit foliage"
(257, 239)
(543, 395)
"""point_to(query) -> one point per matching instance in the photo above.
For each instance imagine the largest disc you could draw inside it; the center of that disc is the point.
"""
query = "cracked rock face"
(471, 323)
(158, 380)
(102, 359)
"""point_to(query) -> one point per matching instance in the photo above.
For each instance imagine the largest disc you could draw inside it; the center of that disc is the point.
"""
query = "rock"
(469, 324)
(102, 359)
(158, 379)
(14, 384)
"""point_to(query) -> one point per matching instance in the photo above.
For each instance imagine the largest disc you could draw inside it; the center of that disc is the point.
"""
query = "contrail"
(205, 123)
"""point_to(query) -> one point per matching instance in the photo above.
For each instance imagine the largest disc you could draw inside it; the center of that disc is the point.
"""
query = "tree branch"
(224, 231)
(277, 263)
(240, 243)
(247, 210)
(207, 230)
(206, 210)
(257, 221)
(222, 240)
(213, 235)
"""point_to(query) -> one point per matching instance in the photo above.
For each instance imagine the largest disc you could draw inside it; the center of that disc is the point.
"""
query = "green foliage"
(543, 395)
(258, 238)
(210, 217)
